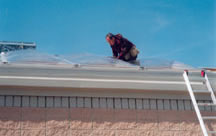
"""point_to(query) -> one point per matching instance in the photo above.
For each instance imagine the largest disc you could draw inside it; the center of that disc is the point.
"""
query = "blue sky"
(181, 30)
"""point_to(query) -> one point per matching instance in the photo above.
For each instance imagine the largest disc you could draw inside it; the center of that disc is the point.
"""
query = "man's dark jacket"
(121, 47)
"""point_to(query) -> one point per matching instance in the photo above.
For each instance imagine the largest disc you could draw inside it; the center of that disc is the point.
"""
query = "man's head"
(110, 39)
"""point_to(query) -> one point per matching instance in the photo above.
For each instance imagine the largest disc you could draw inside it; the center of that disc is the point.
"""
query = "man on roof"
(122, 48)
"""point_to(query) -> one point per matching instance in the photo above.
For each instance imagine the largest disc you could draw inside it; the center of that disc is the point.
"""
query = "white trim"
(98, 80)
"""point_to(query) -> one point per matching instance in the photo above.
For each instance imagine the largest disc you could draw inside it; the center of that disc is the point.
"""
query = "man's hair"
(110, 35)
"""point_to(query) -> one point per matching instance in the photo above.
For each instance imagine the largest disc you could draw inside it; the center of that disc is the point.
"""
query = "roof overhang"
(68, 80)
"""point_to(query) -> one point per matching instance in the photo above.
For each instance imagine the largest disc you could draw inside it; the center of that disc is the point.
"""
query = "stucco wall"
(87, 116)
(30, 121)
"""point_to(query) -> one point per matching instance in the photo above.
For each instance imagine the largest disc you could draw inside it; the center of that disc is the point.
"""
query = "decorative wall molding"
(98, 102)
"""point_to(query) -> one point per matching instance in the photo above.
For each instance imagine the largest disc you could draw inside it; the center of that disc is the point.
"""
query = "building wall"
(88, 116)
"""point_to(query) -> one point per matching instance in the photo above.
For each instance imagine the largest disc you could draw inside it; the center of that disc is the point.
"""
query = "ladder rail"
(210, 89)
(204, 130)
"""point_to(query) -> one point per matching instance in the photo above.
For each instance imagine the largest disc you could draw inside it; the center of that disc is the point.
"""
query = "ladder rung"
(193, 98)
(209, 117)
(212, 132)
(206, 104)
(201, 91)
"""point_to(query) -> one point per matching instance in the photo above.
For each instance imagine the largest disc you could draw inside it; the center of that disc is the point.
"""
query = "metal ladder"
(195, 104)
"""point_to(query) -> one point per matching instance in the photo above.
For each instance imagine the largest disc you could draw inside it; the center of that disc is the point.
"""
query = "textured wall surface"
(28, 121)
(80, 116)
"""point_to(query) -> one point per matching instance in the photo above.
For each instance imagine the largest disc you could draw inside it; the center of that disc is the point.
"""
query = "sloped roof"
(32, 69)
(98, 77)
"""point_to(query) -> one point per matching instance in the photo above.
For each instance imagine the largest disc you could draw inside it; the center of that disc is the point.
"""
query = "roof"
(96, 78)
(54, 75)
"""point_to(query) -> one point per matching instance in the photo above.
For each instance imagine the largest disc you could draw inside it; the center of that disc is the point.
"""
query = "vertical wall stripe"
(33, 101)
(180, 104)
(160, 104)
(110, 103)
(9, 101)
(80, 102)
(25, 101)
(139, 104)
(117, 103)
(95, 102)
(57, 101)
(125, 103)
(41, 102)
(17, 101)
(167, 104)
(132, 103)
(2, 101)
(187, 105)
(103, 103)
(192, 107)
(65, 102)
(73, 103)
(146, 104)
(87, 102)
(153, 104)
(174, 105)
(49, 102)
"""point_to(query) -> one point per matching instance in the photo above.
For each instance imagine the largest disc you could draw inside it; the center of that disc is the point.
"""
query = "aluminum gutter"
(99, 77)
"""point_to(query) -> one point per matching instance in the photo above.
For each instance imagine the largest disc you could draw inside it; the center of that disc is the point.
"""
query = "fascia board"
(116, 78)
